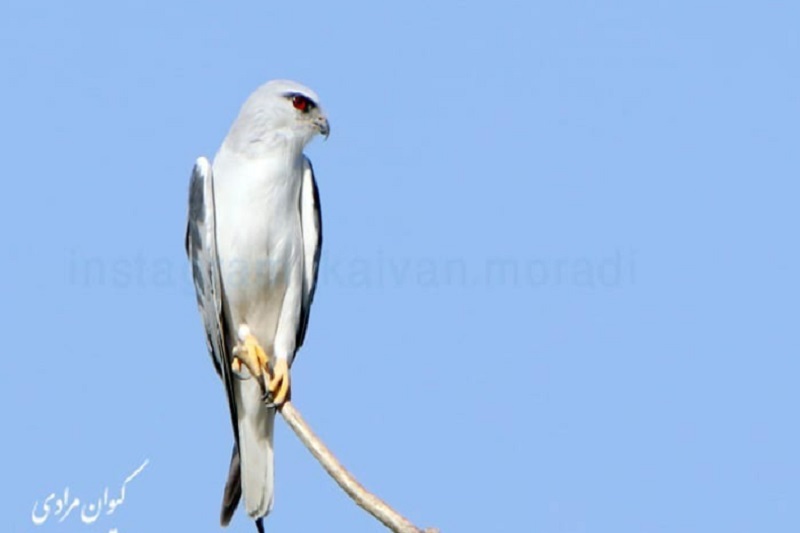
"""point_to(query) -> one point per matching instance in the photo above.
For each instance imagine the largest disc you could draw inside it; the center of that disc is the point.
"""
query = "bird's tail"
(252, 468)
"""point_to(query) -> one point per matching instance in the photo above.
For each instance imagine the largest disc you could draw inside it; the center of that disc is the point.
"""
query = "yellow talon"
(280, 384)
(250, 354)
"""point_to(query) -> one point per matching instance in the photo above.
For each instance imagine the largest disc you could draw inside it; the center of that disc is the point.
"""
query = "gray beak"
(322, 125)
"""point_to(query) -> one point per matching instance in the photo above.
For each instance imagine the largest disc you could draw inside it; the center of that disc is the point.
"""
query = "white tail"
(256, 425)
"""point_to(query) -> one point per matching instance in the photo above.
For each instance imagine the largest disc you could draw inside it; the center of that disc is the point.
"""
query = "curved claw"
(250, 355)
(279, 385)
(240, 372)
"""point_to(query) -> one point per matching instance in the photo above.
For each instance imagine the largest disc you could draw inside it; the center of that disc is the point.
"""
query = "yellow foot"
(279, 385)
(250, 354)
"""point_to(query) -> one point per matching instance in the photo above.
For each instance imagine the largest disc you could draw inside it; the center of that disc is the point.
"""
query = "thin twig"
(365, 499)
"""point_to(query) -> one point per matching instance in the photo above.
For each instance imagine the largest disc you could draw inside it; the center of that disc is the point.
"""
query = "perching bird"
(253, 239)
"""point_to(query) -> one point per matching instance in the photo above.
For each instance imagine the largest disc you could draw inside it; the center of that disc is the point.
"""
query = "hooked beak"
(322, 125)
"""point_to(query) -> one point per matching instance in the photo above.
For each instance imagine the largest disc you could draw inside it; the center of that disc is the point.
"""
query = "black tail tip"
(260, 525)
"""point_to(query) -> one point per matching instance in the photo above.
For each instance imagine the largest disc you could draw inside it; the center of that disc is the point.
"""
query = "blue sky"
(559, 285)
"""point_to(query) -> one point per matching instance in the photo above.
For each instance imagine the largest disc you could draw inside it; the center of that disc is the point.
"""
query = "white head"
(280, 112)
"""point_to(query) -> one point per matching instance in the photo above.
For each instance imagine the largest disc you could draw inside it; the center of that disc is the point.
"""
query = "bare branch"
(365, 499)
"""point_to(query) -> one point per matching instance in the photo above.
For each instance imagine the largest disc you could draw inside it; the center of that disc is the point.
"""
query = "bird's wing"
(311, 222)
(201, 248)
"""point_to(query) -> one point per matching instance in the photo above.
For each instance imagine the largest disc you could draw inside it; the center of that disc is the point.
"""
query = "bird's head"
(280, 111)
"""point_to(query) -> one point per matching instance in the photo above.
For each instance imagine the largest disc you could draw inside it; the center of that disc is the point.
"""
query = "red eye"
(300, 103)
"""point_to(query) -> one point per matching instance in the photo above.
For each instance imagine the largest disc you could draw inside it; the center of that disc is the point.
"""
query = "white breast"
(259, 237)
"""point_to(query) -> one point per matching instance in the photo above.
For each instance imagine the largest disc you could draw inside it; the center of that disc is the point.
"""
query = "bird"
(253, 240)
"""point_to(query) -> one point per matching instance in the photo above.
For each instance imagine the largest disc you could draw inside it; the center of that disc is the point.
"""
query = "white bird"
(253, 238)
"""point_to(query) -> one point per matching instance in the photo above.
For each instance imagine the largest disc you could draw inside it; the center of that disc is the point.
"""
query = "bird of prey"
(253, 239)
